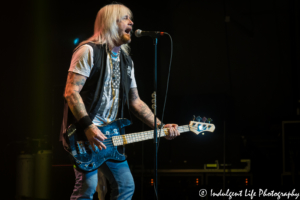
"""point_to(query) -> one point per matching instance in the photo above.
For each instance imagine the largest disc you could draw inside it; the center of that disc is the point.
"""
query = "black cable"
(162, 117)
(168, 80)
(230, 89)
(155, 190)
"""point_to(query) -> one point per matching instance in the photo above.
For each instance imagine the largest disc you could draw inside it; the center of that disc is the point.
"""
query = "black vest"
(92, 90)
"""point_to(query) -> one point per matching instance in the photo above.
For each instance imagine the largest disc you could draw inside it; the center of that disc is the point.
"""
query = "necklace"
(115, 55)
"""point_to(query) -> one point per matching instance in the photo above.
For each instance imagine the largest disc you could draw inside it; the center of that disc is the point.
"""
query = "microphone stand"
(154, 111)
(154, 35)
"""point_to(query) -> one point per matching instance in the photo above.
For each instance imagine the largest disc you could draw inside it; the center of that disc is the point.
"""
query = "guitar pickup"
(81, 147)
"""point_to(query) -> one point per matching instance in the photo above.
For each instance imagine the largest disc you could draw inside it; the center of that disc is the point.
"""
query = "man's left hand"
(173, 132)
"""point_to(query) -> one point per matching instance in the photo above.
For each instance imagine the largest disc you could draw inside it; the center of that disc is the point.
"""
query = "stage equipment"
(25, 169)
(290, 152)
(42, 174)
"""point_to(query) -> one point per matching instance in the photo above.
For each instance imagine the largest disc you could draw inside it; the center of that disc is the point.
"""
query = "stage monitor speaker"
(290, 146)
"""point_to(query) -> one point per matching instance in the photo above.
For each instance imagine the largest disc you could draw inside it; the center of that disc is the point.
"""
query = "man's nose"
(130, 22)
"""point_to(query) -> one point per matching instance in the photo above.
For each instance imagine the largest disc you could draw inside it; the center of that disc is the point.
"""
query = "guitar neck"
(146, 135)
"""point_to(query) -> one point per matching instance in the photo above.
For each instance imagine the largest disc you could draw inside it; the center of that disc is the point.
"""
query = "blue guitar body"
(84, 157)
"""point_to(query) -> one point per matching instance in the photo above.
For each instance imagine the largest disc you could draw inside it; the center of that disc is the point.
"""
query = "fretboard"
(146, 135)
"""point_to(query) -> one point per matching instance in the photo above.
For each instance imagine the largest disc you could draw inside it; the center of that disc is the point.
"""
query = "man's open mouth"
(128, 30)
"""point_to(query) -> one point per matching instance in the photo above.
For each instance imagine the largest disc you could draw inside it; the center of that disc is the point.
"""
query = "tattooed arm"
(140, 109)
(143, 112)
(74, 85)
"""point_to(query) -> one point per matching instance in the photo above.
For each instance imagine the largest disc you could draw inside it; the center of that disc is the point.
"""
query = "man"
(99, 85)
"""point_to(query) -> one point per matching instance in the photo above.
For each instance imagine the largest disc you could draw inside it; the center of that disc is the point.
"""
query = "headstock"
(198, 126)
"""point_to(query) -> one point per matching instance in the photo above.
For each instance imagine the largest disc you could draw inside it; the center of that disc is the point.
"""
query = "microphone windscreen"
(138, 33)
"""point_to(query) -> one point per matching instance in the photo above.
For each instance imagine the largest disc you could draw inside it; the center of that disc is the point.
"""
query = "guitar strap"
(63, 128)
(122, 129)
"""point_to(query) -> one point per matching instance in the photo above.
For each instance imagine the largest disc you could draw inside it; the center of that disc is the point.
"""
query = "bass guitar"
(88, 160)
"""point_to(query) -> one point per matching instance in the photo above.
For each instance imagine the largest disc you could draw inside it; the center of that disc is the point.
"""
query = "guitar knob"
(198, 119)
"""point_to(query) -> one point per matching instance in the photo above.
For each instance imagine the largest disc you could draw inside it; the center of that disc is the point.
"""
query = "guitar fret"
(130, 138)
(127, 139)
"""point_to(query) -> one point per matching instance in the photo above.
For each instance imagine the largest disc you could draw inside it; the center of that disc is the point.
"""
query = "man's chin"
(126, 39)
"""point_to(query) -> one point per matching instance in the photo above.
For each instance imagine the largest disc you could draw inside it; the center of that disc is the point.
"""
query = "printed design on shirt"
(110, 100)
(116, 76)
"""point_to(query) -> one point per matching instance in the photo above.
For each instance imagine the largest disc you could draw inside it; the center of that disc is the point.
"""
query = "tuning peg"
(194, 117)
(209, 120)
(198, 119)
(204, 119)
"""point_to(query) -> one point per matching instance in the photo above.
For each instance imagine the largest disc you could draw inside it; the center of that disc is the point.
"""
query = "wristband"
(85, 122)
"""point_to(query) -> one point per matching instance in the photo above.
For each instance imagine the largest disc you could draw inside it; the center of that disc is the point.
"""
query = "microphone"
(154, 34)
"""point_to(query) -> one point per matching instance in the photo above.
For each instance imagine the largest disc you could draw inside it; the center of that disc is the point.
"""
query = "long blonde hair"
(106, 27)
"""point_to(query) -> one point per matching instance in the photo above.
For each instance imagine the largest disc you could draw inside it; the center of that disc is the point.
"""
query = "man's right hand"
(95, 137)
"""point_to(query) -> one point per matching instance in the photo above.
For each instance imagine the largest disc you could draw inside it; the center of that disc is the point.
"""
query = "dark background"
(243, 73)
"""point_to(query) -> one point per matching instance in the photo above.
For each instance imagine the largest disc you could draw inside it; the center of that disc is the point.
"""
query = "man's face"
(125, 27)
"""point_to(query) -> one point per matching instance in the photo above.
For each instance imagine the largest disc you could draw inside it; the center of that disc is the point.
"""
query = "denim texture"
(117, 173)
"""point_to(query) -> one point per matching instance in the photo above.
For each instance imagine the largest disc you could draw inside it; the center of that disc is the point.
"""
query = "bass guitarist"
(100, 85)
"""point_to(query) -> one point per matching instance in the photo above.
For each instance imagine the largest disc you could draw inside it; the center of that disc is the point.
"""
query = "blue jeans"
(117, 173)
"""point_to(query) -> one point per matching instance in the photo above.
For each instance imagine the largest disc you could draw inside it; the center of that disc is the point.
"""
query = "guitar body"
(84, 157)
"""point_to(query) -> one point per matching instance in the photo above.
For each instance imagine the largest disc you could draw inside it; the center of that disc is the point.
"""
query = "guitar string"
(137, 137)
(130, 138)
(133, 138)
(141, 136)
